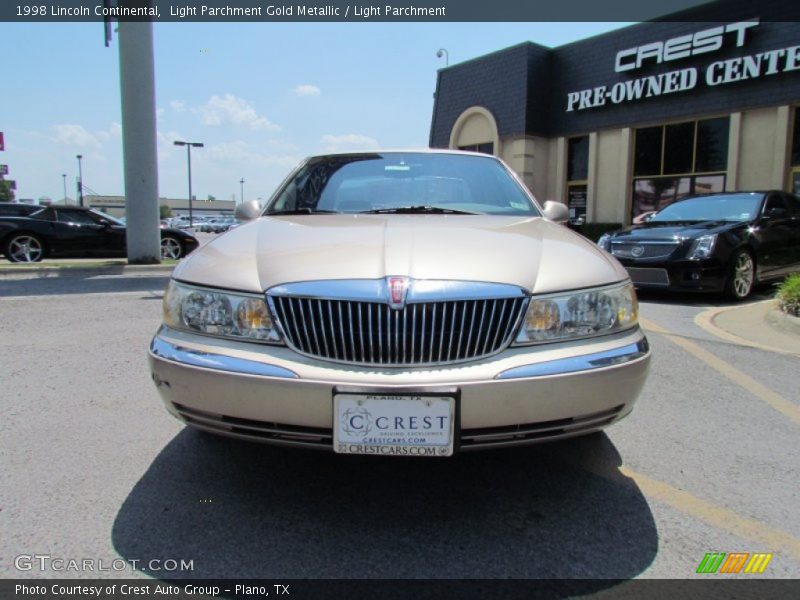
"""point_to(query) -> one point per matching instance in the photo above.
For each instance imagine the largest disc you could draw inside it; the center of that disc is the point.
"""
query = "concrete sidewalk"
(81, 267)
(759, 324)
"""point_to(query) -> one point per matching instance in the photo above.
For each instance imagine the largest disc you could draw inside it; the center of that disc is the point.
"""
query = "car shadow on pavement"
(241, 510)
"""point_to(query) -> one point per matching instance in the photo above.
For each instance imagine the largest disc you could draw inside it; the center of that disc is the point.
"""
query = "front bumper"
(681, 275)
(522, 395)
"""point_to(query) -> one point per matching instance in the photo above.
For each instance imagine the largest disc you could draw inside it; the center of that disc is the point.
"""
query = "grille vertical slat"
(398, 358)
(405, 337)
(418, 334)
(422, 336)
(352, 335)
(452, 332)
(290, 302)
(333, 329)
(500, 322)
(461, 329)
(310, 324)
(388, 312)
(317, 322)
(480, 326)
(380, 334)
(489, 327)
(413, 330)
(442, 332)
(361, 333)
(370, 335)
(433, 333)
(514, 317)
(474, 306)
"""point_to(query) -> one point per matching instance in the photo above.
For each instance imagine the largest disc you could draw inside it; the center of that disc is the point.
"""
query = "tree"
(211, 198)
(6, 193)
(164, 212)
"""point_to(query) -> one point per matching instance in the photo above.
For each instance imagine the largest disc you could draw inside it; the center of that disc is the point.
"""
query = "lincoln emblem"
(398, 287)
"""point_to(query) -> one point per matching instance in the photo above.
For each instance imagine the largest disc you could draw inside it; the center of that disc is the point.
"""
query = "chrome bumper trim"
(178, 354)
(574, 364)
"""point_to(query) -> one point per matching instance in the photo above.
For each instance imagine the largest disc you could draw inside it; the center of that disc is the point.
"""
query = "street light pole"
(241, 181)
(64, 180)
(80, 180)
(189, 163)
(443, 52)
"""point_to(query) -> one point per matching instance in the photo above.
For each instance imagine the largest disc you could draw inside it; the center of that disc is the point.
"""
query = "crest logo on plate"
(357, 421)
(637, 251)
(398, 288)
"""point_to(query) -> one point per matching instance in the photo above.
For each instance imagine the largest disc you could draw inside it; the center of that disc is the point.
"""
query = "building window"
(678, 160)
(577, 176)
(485, 148)
(794, 177)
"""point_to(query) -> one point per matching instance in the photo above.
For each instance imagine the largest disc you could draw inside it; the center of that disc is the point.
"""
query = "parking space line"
(687, 503)
(759, 390)
(720, 518)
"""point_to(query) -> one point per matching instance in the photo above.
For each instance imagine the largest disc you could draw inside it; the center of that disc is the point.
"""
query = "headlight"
(703, 247)
(580, 314)
(604, 242)
(218, 313)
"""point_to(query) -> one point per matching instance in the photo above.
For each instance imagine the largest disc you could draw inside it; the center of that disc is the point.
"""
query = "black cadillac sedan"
(30, 233)
(713, 243)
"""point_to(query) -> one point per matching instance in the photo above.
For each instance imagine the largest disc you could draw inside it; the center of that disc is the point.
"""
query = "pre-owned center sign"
(717, 73)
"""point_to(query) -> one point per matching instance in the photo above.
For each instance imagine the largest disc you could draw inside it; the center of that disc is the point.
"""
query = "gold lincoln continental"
(403, 303)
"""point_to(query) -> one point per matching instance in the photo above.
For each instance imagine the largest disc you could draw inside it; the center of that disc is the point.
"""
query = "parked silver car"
(400, 303)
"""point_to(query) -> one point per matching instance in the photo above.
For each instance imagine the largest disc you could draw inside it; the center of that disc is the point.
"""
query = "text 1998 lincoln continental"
(400, 303)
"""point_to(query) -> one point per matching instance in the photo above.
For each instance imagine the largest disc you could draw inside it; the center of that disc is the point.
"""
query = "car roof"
(405, 151)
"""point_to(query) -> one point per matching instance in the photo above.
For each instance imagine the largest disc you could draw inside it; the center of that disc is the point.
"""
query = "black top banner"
(365, 11)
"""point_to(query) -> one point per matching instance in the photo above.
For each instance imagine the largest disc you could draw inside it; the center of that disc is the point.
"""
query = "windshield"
(727, 207)
(402, 182)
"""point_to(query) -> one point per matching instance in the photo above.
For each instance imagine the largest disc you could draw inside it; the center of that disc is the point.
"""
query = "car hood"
(672, 230)
(532, 253)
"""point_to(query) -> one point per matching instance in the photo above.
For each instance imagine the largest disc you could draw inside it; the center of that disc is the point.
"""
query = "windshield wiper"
(301, 211)
(676, 221)
(408, 210)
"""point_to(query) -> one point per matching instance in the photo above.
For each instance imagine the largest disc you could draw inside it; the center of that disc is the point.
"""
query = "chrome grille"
(648, 276)
(648, 249)
(373, 333)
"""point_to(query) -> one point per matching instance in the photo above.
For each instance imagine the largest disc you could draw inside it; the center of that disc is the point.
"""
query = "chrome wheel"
(743, 275)
(25, 248)
(170, 249)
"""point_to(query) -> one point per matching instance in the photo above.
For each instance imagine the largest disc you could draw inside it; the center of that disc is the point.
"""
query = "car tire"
(741, 276)
(24, 248)
(171, 248)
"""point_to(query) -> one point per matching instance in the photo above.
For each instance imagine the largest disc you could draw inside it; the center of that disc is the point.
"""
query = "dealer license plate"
(393, 425)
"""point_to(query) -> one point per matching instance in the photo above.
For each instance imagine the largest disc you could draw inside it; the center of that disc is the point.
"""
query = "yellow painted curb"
(705, 320)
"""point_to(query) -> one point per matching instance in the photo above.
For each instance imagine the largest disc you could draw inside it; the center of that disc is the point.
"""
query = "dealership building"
(626, 122)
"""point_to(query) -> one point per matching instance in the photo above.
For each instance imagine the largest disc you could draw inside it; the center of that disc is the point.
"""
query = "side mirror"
(776, 213)
(247, 211)
(556, 212)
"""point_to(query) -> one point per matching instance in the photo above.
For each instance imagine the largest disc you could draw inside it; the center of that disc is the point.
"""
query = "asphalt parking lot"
(94, 468)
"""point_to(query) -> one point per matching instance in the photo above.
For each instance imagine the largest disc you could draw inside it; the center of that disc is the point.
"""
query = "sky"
(260, 97)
